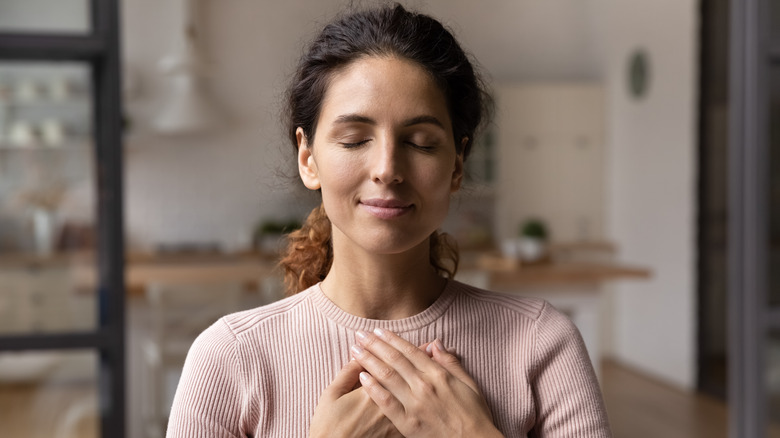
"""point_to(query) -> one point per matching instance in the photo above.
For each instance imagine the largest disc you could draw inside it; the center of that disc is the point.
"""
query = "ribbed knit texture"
(260, 373)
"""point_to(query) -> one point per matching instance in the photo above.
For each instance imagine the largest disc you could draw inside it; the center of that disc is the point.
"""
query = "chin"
(388, 245)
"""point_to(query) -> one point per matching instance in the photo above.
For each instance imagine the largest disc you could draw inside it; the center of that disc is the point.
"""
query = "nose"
(387, 162)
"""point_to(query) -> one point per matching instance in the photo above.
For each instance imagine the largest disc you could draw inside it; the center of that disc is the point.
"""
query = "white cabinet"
(35, 300)
(551, 156)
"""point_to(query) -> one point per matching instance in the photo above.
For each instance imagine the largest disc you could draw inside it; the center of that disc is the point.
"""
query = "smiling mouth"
(386, 208)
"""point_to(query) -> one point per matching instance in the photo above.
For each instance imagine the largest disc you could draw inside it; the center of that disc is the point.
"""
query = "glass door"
(61, 264)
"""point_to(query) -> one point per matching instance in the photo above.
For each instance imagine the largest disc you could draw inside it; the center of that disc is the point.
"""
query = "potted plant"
(269, 233)
(533, 240)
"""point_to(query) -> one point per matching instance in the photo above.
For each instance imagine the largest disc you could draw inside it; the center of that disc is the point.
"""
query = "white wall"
(551, 144)
(651, 180)
(524, 40)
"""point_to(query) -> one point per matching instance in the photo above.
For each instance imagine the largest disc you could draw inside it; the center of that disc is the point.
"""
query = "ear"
(457, 173)
(307, 167)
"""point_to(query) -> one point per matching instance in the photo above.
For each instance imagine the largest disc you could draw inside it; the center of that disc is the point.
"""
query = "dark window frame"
(751, 55)
(711, 224)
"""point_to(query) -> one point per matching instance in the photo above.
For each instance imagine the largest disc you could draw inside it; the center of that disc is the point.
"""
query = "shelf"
(81, 101)
(72, 145)
(28, 260)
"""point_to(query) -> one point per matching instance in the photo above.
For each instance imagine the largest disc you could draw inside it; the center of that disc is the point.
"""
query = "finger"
(389, 405)
(344, 382)
(385, 373)
(450, 362)
(428, 348)
(399, 353)
(395, 356)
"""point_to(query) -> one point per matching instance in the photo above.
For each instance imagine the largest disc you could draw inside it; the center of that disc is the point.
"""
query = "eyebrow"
(357, 118)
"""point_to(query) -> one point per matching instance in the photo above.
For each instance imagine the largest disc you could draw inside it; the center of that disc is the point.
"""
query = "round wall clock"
(638, 73)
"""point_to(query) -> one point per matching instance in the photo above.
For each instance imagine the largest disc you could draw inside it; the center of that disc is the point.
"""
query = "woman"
(382, 114)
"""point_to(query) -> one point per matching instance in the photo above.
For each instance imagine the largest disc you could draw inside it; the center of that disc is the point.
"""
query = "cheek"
(436, 187)
(338, 178)
(335, 168)
(439, 179)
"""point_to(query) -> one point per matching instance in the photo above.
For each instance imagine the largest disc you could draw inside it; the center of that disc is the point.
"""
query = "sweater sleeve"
(209, 398)
(566, 392)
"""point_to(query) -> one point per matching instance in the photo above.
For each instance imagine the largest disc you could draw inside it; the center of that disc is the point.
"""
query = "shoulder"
(548, 326)
(522, 306)
(289, 308)
(226, 339)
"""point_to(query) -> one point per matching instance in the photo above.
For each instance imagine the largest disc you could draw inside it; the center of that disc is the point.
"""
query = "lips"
(386, 208)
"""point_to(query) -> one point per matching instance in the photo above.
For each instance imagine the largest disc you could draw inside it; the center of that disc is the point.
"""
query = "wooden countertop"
(565, 274)
(32, 261)
(143, 269)
(507, 273)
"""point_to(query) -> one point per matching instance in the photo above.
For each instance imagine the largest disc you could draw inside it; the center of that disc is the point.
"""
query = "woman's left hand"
(422, 395)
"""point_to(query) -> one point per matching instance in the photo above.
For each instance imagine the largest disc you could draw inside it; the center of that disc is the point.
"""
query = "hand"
(344, 411)
(423, 396)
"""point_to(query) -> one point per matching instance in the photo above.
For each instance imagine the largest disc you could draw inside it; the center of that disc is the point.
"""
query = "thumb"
(428, 349)
(451, 363)
(344, 382)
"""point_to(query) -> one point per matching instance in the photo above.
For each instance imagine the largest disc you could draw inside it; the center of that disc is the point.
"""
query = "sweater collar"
(414, 322)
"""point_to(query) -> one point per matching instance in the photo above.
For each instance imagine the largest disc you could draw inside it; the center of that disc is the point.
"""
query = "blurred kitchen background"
(600, 186)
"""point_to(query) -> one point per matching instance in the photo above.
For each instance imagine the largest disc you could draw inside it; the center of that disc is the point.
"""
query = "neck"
(382, 286)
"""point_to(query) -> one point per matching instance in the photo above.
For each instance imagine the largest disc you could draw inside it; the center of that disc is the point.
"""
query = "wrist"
(487, 430)
(492, 432)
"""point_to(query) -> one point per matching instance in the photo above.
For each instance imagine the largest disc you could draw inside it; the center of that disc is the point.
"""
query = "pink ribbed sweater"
(259, 373)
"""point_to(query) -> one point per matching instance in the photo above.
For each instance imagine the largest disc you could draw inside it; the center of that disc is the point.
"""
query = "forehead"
(384, 87)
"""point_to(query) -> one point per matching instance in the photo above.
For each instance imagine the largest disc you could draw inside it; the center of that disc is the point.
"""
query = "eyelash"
(354, 145)
(361, 143)
(421, 147)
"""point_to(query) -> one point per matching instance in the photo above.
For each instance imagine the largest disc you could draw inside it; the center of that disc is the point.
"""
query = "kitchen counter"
(572, 286)
(503, 274)
(199, 268)
(33, 261)
(144, 268)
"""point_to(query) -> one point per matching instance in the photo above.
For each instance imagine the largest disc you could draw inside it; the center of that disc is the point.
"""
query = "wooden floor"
(27, 413)
(638, 407)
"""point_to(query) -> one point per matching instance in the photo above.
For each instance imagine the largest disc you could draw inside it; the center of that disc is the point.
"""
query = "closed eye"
(421, 147)
(354, 145)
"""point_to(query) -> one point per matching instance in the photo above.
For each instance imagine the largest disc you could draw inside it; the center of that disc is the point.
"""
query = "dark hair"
(381, 31)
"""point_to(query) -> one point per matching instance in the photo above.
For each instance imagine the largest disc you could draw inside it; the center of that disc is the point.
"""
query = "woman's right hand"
(346, 411)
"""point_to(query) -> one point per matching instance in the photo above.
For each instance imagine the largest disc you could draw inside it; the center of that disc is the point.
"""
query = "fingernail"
(379, 332)
(356, 350)
(439, 345)
(429, 348)
(363, 376)
(361, 335)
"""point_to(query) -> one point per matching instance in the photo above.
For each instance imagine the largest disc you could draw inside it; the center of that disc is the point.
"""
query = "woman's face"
(383, 155)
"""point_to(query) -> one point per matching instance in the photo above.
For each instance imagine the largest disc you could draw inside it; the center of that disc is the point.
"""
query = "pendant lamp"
(187, 108)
